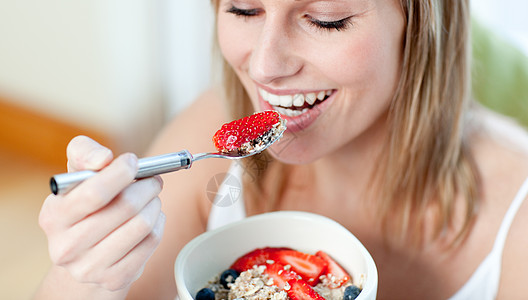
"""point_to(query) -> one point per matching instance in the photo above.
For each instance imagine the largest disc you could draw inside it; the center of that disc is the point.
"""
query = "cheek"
(368, 63)
(233, 45)
(236, 45)
(363, 61)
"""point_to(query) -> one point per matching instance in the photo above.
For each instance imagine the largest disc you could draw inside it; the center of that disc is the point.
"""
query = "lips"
(294, 104)
(300, 109)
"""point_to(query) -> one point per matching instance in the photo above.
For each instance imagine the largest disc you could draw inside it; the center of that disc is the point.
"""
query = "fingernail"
(160, 180)
(132, 159)
(97, 158)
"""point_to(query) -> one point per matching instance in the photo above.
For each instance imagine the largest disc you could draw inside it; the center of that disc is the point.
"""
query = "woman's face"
(329, 67)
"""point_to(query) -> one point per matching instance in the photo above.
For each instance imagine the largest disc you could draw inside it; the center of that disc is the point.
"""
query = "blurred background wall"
(116, 68)
(506, 17)
(93, 64)
(187, 30)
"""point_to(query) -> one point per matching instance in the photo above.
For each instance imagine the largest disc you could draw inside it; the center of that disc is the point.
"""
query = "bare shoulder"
(501, 149)
(514, 257)
(184, 200)
(192, 130)
(504, 152)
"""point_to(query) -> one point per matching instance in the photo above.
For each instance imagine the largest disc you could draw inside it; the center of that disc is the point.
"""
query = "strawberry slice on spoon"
(250, 133)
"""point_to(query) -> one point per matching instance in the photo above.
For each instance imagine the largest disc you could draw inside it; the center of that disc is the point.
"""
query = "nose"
(273, 56)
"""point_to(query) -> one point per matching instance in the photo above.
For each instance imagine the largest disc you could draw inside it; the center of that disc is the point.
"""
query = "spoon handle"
(155, 165)
(147, 167)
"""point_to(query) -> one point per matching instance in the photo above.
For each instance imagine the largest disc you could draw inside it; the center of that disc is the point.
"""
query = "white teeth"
(310, 98)
(286, 100)
(298, 100)
(290, 112)
(273, 99)
(263, 94)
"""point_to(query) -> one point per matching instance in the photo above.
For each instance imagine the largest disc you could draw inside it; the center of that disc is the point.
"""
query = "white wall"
(507, 17)
(94, 63)
(187, 47)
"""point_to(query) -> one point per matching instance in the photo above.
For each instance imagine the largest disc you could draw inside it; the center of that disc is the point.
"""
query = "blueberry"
(205, 294)
(351, 292)
(228, 276)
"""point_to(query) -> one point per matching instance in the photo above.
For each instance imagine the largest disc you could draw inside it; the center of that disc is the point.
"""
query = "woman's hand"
(105, 229)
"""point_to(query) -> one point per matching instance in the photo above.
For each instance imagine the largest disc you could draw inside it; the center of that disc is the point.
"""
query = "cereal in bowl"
(282, 273)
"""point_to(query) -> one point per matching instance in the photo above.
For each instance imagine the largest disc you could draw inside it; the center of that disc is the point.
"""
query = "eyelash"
(245, 13)
(338, 25)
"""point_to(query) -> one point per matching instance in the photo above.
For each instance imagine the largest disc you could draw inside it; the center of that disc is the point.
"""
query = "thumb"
(86, 154)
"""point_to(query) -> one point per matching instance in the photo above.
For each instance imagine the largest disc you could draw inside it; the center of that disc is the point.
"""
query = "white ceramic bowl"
(213, 252)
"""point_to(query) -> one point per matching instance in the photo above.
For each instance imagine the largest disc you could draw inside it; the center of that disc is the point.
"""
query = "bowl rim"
(370, 285)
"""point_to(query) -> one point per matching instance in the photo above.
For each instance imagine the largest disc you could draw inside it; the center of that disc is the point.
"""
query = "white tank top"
(482, 285)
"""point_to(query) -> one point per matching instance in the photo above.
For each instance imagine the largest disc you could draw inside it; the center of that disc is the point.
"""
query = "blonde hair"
(426, 163)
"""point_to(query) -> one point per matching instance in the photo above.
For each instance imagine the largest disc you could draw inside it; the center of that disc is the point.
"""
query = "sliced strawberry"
(231, 136)
(308, 266)
(250, 259)
(301, 290)
(279, 274)
(256, 257)
(335, 272)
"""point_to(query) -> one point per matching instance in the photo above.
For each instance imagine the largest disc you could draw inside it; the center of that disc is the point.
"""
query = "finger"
(84, 153)
(47, 217)
(125, 238)
(96, 267)
(97, 191)
(132, 265)
(85, 234)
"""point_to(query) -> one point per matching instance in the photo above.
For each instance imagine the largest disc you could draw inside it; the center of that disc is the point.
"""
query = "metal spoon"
(165, 163)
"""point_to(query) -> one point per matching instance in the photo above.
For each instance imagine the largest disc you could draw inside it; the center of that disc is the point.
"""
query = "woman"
(392, 149)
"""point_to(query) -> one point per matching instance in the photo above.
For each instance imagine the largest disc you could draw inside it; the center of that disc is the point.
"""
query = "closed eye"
(338, 25)
(243, 12)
